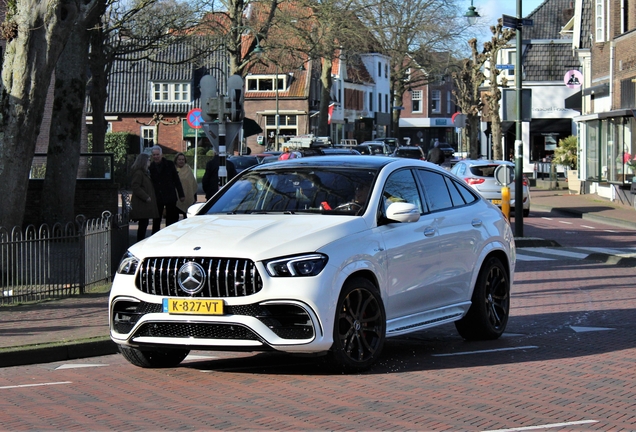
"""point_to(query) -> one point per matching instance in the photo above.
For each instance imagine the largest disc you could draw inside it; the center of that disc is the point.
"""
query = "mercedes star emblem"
(191, 277)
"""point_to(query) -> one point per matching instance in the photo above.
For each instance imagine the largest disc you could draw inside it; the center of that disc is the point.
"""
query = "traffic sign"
(504, 174)
(505, 66)
(510, 21)
(194, 118)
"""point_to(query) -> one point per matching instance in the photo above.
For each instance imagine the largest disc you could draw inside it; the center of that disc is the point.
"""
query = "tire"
(359, 328)
(488, 314)
(526, 212)
(153, 359)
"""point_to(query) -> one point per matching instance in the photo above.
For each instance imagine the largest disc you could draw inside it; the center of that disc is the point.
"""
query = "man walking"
(165, 180)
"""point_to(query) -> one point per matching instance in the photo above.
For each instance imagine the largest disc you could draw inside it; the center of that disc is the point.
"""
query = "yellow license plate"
(192, 306)
(496, 202)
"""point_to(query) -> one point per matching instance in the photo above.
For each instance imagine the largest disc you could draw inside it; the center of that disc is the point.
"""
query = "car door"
(411, 251)
(460, 234)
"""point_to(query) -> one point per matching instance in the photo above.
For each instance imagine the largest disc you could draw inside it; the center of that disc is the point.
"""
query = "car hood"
(258, 236)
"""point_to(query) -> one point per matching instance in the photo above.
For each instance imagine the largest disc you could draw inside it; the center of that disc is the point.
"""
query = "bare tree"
(36, 34)
(468, 95)
(411, 32)
(499, 40)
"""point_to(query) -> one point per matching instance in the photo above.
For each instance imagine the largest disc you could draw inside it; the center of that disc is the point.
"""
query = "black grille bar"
(225, 277)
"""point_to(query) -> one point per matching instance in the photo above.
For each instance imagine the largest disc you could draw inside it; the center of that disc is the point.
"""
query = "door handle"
(428, 232)
(476, 223)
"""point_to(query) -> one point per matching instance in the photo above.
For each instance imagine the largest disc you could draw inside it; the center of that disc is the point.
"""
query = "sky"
(490, 10)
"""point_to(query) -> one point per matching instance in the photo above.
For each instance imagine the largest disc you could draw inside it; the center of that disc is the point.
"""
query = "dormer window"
(170, 92)
(262, 83)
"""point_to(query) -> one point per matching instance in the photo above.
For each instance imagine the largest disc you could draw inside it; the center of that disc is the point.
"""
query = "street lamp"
(518, 141)
(471, 14)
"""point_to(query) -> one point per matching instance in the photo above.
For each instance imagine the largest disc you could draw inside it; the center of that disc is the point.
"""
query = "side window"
(459, 193)
(437, 194)
(401, 187)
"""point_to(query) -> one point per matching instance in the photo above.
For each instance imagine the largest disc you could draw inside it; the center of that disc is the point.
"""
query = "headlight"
(302, 265)
(128, 264)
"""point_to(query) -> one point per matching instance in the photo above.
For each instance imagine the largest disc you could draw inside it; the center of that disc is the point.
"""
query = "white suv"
(325, 255)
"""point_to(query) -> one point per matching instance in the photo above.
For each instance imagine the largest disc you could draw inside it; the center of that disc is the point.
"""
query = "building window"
(379, 102)
(416, 98)
(512, 60)
(265, 83)
(171, 92)
(370, 101)
(448, 102)
(288, 125)
(386, 70)
(600, 20)
(436, 101)
(147, 137)
(386, 102)
(407, 75)
(379, 69)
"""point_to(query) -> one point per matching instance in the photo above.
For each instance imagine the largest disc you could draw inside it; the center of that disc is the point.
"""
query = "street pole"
(519, 141)
(277, 113)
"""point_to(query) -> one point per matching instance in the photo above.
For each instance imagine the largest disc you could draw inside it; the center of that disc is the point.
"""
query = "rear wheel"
(488, 313)
(360, 326)
(153, 359)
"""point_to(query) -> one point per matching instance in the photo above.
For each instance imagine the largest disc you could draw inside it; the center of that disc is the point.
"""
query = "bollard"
(505, 201)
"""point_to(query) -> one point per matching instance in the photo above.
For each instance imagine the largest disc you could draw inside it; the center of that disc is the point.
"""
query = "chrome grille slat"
(226, 277)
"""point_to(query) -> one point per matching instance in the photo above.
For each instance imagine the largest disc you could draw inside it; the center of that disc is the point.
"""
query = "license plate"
(192, 306)
(497, 202)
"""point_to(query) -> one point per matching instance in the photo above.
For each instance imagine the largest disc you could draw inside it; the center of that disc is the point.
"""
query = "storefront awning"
(574, 102)
(597, 90)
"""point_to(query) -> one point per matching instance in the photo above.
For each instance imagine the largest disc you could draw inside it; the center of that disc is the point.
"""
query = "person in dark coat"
(436, 155)
(143, 202)
(168, 189)
(210, 180)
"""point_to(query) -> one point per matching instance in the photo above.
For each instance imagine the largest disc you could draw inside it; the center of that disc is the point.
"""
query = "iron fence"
(62, 260)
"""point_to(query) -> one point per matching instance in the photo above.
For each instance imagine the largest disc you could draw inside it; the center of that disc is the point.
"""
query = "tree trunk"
(42, 31)
(325, 97)
(472, 130)
(99, 63)
(58, 192)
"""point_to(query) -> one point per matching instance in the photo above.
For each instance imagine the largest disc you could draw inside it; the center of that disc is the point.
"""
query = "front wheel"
(359, 328)
(153, 359)
(488, 314)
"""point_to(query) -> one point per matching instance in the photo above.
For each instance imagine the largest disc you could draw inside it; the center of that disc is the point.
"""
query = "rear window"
(483, 170)
(409, 153)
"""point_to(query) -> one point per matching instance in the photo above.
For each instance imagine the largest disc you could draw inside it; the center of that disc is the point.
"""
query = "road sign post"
(194, 120)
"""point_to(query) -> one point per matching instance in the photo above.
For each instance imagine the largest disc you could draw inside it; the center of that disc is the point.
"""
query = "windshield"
(299, 190)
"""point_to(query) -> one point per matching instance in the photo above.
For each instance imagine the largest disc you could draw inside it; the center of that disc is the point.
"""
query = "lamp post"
(472, 15)
(277, 133)
(518, 141)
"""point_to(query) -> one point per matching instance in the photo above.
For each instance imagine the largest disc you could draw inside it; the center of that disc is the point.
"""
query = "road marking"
(587, 226)
(548, 426)
(35, 385)
(546, 218)
(566, 222)
(589, 329)
(484, 351)
(77, 366)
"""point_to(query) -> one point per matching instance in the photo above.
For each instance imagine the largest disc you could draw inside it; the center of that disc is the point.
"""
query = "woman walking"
(143, 202)
(188, 182)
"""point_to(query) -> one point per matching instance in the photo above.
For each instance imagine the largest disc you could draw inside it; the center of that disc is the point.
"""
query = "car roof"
(481, 162)
(336, 161)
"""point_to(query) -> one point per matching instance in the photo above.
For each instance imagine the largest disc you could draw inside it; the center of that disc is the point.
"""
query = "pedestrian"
(436, 155)
(188, 182)
(210, 180)
(143, 201)
(168, 188)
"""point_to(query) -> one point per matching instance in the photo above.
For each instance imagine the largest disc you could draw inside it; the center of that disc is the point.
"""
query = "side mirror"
(402, 212)
(194, 209)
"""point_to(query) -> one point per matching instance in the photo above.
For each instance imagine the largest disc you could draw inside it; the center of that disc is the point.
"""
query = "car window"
(401, 187)
(460, 194)
(459, 169)
(437, 195)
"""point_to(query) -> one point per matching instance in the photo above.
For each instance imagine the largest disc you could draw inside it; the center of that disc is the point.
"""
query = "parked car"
(480, 175)
(412, 152)
(266, 154)
(243, 162)
(393, 143)
(447, 149)
(373, 148)
(321, 255)
(340, 151)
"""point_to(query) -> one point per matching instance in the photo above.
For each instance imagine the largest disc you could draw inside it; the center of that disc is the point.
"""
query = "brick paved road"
(548, 369)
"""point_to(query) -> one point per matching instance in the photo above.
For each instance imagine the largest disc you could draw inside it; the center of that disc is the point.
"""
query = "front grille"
(196, 331)
(286, 321)
(224, 277)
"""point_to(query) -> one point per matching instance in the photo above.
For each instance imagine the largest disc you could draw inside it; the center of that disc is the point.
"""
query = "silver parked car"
(480, 175)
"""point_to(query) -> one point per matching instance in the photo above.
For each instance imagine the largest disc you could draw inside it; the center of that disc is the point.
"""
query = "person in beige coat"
(143, 201)
(188, 181)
